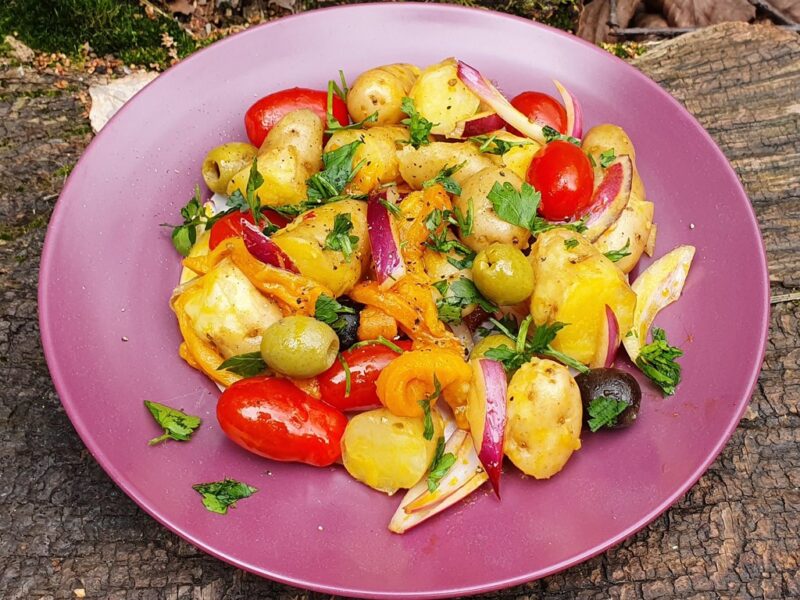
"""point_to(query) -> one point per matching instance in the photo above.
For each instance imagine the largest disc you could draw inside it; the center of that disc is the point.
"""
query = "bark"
(66, 527)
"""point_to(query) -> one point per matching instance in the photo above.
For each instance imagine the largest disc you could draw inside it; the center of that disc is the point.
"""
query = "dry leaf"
(789, 8)
(593, 22)
(184, 7)
(20, 51)
(699, 13)
(650, 21)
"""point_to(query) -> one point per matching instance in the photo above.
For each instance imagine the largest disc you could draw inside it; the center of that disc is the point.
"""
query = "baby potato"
(418, 165)
(488, 227)
(604, 137)
(518, 159)
(304, 241)
(381, 90)
(632, 228)
(441, 97)
(284, 177)
(225, 161)
(573, 286)
(230, 312)
(378, 153)
(387, 452)
(544, 418)
(303, 130)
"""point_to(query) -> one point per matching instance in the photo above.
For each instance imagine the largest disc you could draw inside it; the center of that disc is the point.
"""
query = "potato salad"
(409, 275)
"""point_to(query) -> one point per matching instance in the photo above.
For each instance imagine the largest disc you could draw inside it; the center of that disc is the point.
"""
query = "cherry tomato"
(542, 108)
(365, 364)
(260, 117)
(563, 174)
(271, 417)
(231, 225)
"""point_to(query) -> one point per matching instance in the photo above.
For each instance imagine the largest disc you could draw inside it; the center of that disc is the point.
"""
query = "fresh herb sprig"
(419, 128)
(348, 377)
(519, 207)
(425, 405)
(219, 496)
(439, 240)
(338, 171)
(340, 237)
(527, 346)
(657, 361)
(249, 364)
(332, 122)
(458, 295)
(194, 215)
(607, 157)
(330, 311)
(249, 201)
(551, 134)
(603, 412)
(441, 464)
(177, 424)
(445, 179)
(617, 255)
(378, 340)
(491, 144)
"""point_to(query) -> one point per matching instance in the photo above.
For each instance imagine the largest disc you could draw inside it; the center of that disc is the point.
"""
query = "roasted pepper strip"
(410, 378)
(411, 228)
(374, 323)
(295, 293)
(203, 354)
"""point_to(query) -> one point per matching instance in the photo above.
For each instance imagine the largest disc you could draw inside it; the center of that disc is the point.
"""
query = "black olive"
(347, 331)
(611, 383)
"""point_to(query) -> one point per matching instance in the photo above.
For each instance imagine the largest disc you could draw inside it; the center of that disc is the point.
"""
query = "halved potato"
(441, 97)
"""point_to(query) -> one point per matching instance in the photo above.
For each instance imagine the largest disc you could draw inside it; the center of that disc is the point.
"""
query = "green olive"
(503, 274)
(299, 347)
(225, 161)
(490, 341)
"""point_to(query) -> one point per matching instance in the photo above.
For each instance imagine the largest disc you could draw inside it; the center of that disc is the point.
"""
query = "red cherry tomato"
(271, 417)
(365, 364)
(231, 225)
(563, 174)
(542, 108)
(261, 117)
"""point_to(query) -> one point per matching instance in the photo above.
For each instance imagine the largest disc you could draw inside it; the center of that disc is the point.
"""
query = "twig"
(675, 31)
(781, 298)
(772, 12)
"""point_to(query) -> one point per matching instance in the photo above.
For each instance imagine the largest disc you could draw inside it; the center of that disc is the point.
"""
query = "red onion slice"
(483, 88)
(610, 198)
(487, 416)
(480, 124)
(613, 337)
(386, 255)
(264, 249)
(574, 112)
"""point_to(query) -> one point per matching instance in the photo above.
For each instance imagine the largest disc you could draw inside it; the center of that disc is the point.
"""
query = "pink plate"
(111, 341)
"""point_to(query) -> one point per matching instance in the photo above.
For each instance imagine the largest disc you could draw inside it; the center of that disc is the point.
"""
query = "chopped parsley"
(491, 144)
(339, 238)
(570, 243)
(607, 157)
(337, 172)
(348, 379)
(419, 128)
(246, 365)
(177, 425)
(603, 412)
(657, 361)
(520, 208)
(379, 340)
(458, 295)
(440, 465)
(526, 347)
(330, 311)
(219, 496)
(425, 405)
(390, 206)
(439, 240)
(250, 202)
(333, 123)
(445, 179)
(551, 135)
(194, 215)
(616, 255)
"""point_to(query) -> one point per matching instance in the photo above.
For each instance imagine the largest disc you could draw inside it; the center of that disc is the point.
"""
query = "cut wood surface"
(67, 531)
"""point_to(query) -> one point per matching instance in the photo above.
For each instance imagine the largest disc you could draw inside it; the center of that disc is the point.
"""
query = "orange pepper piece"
(374, 323)
(410, 378)
(411, 227)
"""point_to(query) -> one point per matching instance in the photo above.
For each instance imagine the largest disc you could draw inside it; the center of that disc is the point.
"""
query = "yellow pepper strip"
(410, 378)
(295, 293)
(411, 227)
(411, 304)
(203, 354)
(456, 397)
(374, 323)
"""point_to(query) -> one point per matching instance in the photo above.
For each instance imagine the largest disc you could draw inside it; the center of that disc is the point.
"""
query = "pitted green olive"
(299, 346)
(225, 161)
(503, 274)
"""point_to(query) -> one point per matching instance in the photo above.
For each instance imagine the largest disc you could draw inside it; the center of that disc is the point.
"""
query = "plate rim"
(119, 478)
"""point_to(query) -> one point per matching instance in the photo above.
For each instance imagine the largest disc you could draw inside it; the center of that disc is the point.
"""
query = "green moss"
(13, 232)
(64, 171)
(79, 130)
(562, 14)
(118, 27)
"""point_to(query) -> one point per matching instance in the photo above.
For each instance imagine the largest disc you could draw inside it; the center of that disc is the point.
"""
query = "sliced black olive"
(347, 324)
(614, 384)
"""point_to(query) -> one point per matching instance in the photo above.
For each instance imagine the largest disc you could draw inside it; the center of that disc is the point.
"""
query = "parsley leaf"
(185, 235)
(515, 207)
(570, 243)
(440, 466)
(604, 412)
(458, 295)
(246, 365)
(419, 128)
(218, 496)
(425, 404)
(657, 361)
(338, 170)
(615, 255)
(607, 157)
(333, 124)
(445, 179)
(439, 240)
(328, 310)
(390, 206)
(339, 238)
(177, 424)
(551, 134)
(249, 201)
(491, 144)
(464, 223)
